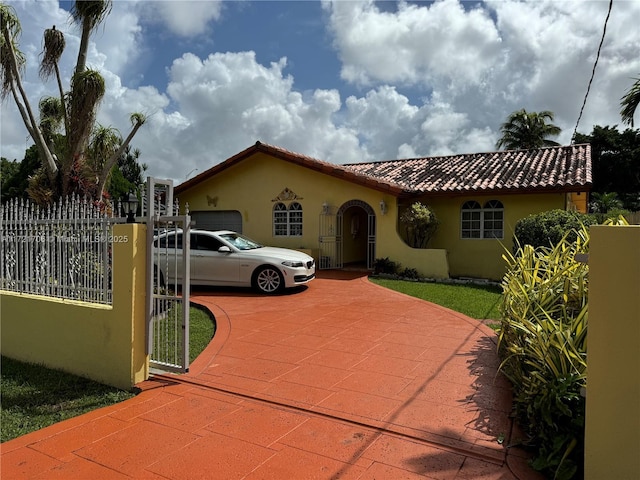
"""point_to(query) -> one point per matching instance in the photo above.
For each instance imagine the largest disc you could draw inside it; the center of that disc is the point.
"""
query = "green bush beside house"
(543, 347)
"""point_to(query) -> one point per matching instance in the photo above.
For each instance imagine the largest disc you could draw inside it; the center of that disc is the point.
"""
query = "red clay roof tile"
(565, 168)
(552, 168)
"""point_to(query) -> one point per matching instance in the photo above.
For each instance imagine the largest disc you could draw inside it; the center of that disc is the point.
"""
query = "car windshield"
(239, 241)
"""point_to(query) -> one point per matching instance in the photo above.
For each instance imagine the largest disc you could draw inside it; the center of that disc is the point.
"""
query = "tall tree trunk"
(27, 113)
(106, 170)
(62, 102)
(81, 65)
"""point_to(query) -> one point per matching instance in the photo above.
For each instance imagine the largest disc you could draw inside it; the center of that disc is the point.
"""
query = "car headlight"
(291, 263)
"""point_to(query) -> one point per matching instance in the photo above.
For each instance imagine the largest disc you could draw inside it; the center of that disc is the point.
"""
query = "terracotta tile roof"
(335, 170)
(555, 168)
(565, 168)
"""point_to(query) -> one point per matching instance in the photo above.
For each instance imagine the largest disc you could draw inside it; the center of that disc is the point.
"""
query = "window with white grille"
(287, 221)
(482, 222)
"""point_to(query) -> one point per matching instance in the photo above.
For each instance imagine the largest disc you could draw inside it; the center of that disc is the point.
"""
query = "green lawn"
(201, 331)
(34, 397)
(476, 301)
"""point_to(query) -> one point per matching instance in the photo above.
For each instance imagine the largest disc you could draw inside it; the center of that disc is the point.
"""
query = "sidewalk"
(343, 379)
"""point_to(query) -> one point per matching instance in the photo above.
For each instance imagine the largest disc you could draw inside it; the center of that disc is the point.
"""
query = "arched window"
(295, 220)
(493, 221)
(471, 217)
(280, 220)
(479, 222)
(287, 221)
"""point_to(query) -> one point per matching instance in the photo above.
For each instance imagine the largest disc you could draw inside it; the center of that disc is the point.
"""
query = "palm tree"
(630, 103)
(54, 44)
(65, 155)
(12, 65)
(107, 147)
(527, 130)
(604, 202)
(89, 14)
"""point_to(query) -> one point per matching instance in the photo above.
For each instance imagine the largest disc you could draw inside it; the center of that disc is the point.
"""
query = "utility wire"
(593, 72)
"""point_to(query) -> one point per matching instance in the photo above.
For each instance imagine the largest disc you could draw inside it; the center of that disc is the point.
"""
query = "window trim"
(288, 220)
(470, 223)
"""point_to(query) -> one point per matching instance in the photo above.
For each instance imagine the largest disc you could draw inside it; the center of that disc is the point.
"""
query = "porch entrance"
(347, 236)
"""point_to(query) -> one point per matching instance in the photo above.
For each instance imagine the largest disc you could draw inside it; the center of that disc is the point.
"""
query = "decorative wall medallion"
(286, 195)
(212, 201)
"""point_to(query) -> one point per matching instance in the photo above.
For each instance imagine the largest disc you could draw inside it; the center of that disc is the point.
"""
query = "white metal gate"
(330, 241)
(168, 285)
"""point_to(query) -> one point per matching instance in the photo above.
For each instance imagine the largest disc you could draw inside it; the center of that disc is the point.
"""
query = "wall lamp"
(325, 208)
(383, 207)
(131, 204)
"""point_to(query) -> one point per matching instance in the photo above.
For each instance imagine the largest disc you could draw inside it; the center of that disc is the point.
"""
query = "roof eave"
(501, 191)
(334, 170)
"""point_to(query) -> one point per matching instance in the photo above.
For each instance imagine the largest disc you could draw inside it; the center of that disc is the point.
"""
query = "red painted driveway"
(340, 380)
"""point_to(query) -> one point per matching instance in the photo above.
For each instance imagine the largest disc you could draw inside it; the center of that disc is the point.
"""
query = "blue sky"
(342, 81)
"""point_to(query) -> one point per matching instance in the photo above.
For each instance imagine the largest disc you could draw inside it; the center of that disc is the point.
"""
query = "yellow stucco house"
(348, 215)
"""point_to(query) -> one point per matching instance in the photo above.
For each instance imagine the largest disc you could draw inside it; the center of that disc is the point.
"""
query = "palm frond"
(630, 103)
(51, 116)
(9, 20)
(528, 130)
(87, 91)
(53, 48)
(138, 118)
(8, 43)
(91, 13)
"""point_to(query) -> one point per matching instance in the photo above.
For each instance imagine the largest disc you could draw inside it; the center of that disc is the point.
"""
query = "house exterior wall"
(578, 202)
(612, 435)
(482, 258)
(251, 185)
(105, 343)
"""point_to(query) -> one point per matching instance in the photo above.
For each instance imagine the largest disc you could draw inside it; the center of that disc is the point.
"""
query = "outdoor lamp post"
(131, 203)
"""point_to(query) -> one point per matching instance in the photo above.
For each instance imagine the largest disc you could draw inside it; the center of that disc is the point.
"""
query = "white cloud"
(537, 55)
(431, 79)
(415, 45)
(184, 18)
(232, 101)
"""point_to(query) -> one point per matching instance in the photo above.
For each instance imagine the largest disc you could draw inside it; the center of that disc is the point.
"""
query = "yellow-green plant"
(543, 346)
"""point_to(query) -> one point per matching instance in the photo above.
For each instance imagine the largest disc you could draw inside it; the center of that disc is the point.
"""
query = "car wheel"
(268, 280)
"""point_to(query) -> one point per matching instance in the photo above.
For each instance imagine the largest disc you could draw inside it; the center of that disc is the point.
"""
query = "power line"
(593, 72)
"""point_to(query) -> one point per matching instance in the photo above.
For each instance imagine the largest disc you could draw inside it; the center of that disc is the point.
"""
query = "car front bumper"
(298, 276)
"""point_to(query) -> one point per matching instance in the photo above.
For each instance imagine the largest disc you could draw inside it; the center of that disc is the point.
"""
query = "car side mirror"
(224, 249)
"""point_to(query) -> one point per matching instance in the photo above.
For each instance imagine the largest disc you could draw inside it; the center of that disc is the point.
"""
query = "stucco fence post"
(105, 343)
(612, 436)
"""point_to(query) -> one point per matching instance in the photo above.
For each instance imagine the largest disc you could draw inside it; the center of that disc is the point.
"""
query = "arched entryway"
(348, 236)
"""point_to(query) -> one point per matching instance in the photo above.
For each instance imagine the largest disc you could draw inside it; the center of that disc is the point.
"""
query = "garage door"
(218, 220)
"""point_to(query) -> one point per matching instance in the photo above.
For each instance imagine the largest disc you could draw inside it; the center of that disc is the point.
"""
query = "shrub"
(546, 229)
(543, 348)
(420, 224)
(384, 265)
(410, 273)
(612, 215)
(604, 202)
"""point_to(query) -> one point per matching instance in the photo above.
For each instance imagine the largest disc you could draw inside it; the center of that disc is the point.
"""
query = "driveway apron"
(340, 379)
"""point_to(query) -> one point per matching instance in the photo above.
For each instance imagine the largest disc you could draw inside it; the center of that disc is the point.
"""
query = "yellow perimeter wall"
(251, 185)
(612, 444)
(100, 342)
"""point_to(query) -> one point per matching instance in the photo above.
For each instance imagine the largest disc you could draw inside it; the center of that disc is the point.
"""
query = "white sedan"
(226, 258)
